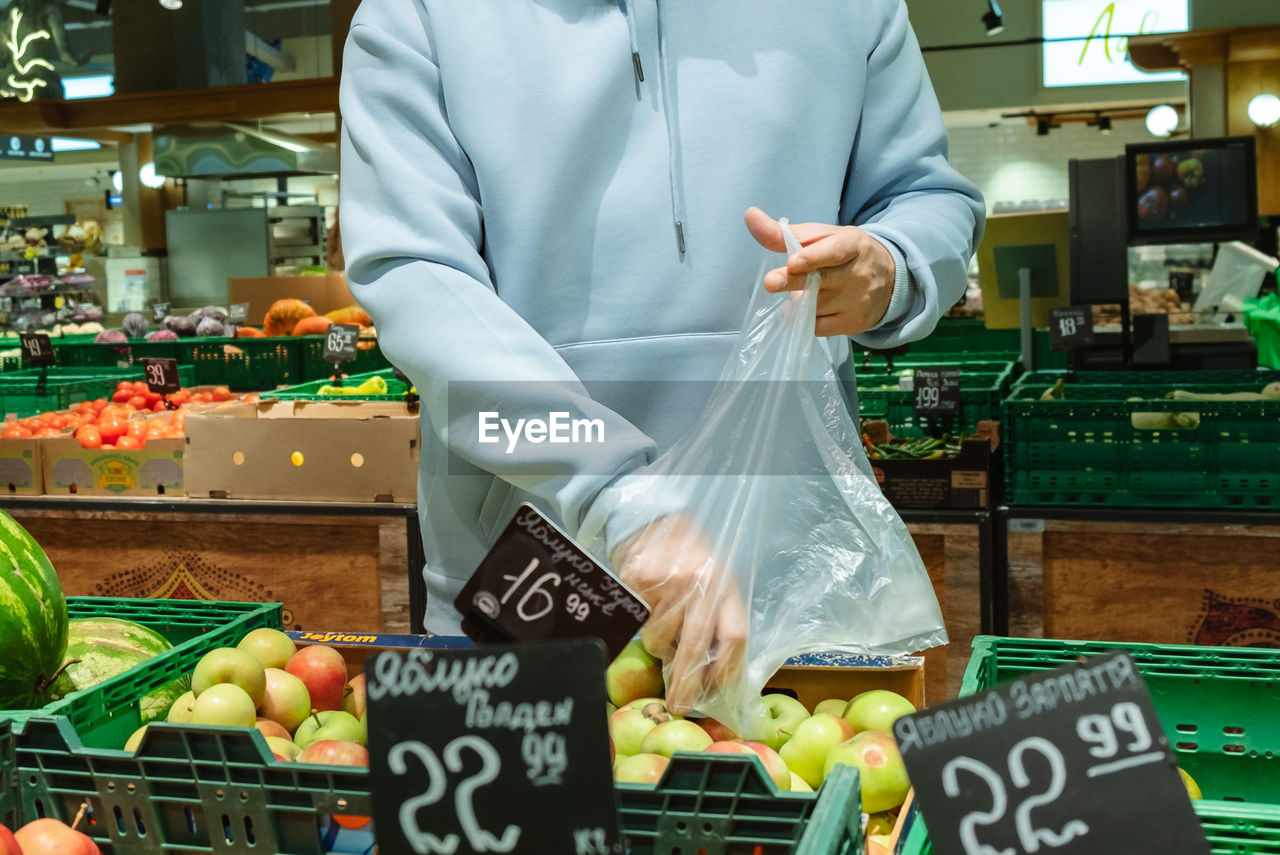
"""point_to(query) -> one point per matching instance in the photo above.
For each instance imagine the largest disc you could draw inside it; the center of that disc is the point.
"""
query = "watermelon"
(33, 619)
(100, 648)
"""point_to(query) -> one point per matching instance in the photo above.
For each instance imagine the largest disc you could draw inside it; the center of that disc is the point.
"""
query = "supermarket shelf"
(206, 506)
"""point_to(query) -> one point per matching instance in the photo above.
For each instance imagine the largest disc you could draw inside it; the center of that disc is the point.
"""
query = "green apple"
(641, 769)
(285, 699)
(180, 712)
(798, 784)
(233, 666)
(609, 709)
(135, 739)
(654, 708)
(880, 769)
(806, 751)
(628, 728)
(335, 725)
(617, 760)
(355, 698)
(634, 674)
(835, 706)
(783, 715)
(271, 647)
(283, 749)
(672, 736)
(877, 709)
(224, 704)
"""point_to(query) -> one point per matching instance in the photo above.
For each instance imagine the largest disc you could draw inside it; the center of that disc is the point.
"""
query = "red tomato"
(124, 384)
(221, 393)
(151, 397)
(252, 398)
(111, 427)
(89, 437)
(137, 428)
(138, 402)
(129, 442)
(159, 407)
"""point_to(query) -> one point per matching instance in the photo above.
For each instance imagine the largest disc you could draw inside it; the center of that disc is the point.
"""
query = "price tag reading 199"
(936, 390)
(1067, 762)
(536, 583)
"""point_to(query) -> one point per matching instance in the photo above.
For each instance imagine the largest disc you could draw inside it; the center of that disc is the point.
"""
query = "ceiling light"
(993, 18)
(147, 175)
(1264, 110)
(1162, 120)
(117, 180)
(1042, 127)
(289, 142)
(171, 5)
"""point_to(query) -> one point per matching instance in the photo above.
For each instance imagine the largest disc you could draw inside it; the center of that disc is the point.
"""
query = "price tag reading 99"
(470, 750)
(537, 584)
(1066, 762)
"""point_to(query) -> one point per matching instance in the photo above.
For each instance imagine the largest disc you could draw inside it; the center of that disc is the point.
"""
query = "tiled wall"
(1012, 165)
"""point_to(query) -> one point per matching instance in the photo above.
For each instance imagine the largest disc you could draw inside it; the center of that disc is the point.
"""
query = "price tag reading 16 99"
(1068, 762)
(537, 584)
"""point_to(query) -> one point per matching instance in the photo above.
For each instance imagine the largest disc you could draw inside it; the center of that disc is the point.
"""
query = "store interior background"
(985, 84)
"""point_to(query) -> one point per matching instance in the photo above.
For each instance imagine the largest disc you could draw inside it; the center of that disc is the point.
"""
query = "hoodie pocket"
(497, 508)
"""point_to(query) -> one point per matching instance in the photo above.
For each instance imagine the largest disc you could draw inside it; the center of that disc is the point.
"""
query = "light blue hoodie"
(553, 190)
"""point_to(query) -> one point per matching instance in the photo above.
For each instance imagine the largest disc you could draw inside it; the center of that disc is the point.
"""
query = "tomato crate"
(1104, 442)
(1219, 706)
(87, 354)
(244, 364)
(397, 390)
(983, 386)
(105, 714)
(1232, 829)
(22, 394)
(313, 366)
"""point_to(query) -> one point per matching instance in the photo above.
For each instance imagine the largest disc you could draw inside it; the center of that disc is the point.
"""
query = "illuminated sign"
(25, 148)
(21, 78)
(1096, 39)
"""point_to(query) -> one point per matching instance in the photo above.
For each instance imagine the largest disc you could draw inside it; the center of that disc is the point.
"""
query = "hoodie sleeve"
(412, 225)
(902, 191)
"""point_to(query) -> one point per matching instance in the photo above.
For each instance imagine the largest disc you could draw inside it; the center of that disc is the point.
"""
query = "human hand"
(857, 271)
(697, 623)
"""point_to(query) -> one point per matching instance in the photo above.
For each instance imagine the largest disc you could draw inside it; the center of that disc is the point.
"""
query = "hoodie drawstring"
(668, 109)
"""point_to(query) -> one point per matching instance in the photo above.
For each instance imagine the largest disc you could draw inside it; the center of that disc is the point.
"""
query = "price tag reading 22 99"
(1065, 762)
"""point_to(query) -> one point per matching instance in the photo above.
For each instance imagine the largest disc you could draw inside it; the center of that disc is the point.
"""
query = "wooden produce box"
(968, 481)
(1174, 583)
(22, 467)
(321, 566)
(341, 451)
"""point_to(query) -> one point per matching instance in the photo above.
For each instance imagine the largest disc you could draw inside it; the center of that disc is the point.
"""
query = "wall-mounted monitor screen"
(1193, 190)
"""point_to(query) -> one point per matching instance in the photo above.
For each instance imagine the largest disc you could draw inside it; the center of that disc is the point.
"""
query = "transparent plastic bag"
(768, 505)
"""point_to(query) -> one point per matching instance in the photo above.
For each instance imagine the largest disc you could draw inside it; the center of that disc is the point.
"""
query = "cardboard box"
(70, 469)
(970, 480)
(342, 451)
(325, 293)
(21, 467)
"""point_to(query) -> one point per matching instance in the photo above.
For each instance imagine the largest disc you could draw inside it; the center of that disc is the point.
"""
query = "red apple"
(271, 728)
(8, 846)
(717, 731)
(774, 765)
(633, 675)
(332, 752)
(727, 747)
(353, 699)
(286, 700)
(324, 672)
(49, 836)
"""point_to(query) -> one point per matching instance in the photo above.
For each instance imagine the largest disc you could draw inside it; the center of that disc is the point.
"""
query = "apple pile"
(301, 700)
(798, 747)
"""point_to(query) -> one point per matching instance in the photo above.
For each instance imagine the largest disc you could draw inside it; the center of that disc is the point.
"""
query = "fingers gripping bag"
(762, 533)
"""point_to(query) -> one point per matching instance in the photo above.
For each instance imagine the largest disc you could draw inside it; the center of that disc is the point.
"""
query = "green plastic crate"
(244, 364)
(105, 714)
(1084, 450)
(8, 777)
(315, 368)
(983, 386)
(87, 354)
(1219, 706)
(1232, 829)
(21, 394)
(193, 788)
(970, 335)
(396, 389)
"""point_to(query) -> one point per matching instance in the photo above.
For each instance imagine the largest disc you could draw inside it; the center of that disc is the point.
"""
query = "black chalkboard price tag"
(340, 343)
(37, 350)
(936, 390)
(237, 313)
(1067, 762)
(161, 375)
(159, 311)
(1070, 327)
(536, 584)
(491, 749)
